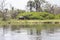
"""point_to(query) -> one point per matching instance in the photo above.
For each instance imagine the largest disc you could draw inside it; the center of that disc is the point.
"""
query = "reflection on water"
(13, 32)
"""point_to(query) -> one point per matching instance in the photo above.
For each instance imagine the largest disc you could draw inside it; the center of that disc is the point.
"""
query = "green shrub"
(37, 15)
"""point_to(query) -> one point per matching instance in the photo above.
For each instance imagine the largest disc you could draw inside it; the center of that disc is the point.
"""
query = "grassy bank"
(29, 22)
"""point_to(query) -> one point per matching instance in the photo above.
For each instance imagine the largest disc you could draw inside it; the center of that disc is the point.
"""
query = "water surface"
(13, 32)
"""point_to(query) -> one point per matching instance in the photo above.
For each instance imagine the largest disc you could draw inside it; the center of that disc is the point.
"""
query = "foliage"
(37, 15)
(57, 16)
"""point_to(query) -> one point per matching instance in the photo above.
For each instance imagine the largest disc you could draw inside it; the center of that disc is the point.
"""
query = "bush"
(37, 15)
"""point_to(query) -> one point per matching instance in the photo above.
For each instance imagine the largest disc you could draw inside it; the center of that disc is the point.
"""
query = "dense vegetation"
(35, 10)
(38, 15)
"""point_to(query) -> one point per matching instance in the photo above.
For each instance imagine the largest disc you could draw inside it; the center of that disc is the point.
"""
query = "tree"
(2, 8)
(14, 13)
(38, 4)
(52, 9)
(49, 8)
(30, 4)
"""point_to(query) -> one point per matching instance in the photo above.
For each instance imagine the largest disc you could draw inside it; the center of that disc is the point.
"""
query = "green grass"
(26, 22)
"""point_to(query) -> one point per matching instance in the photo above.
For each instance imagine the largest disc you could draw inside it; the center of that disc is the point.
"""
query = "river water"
(8, 32)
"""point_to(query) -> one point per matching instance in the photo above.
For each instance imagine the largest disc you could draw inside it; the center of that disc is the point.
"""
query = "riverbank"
(29, 22)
